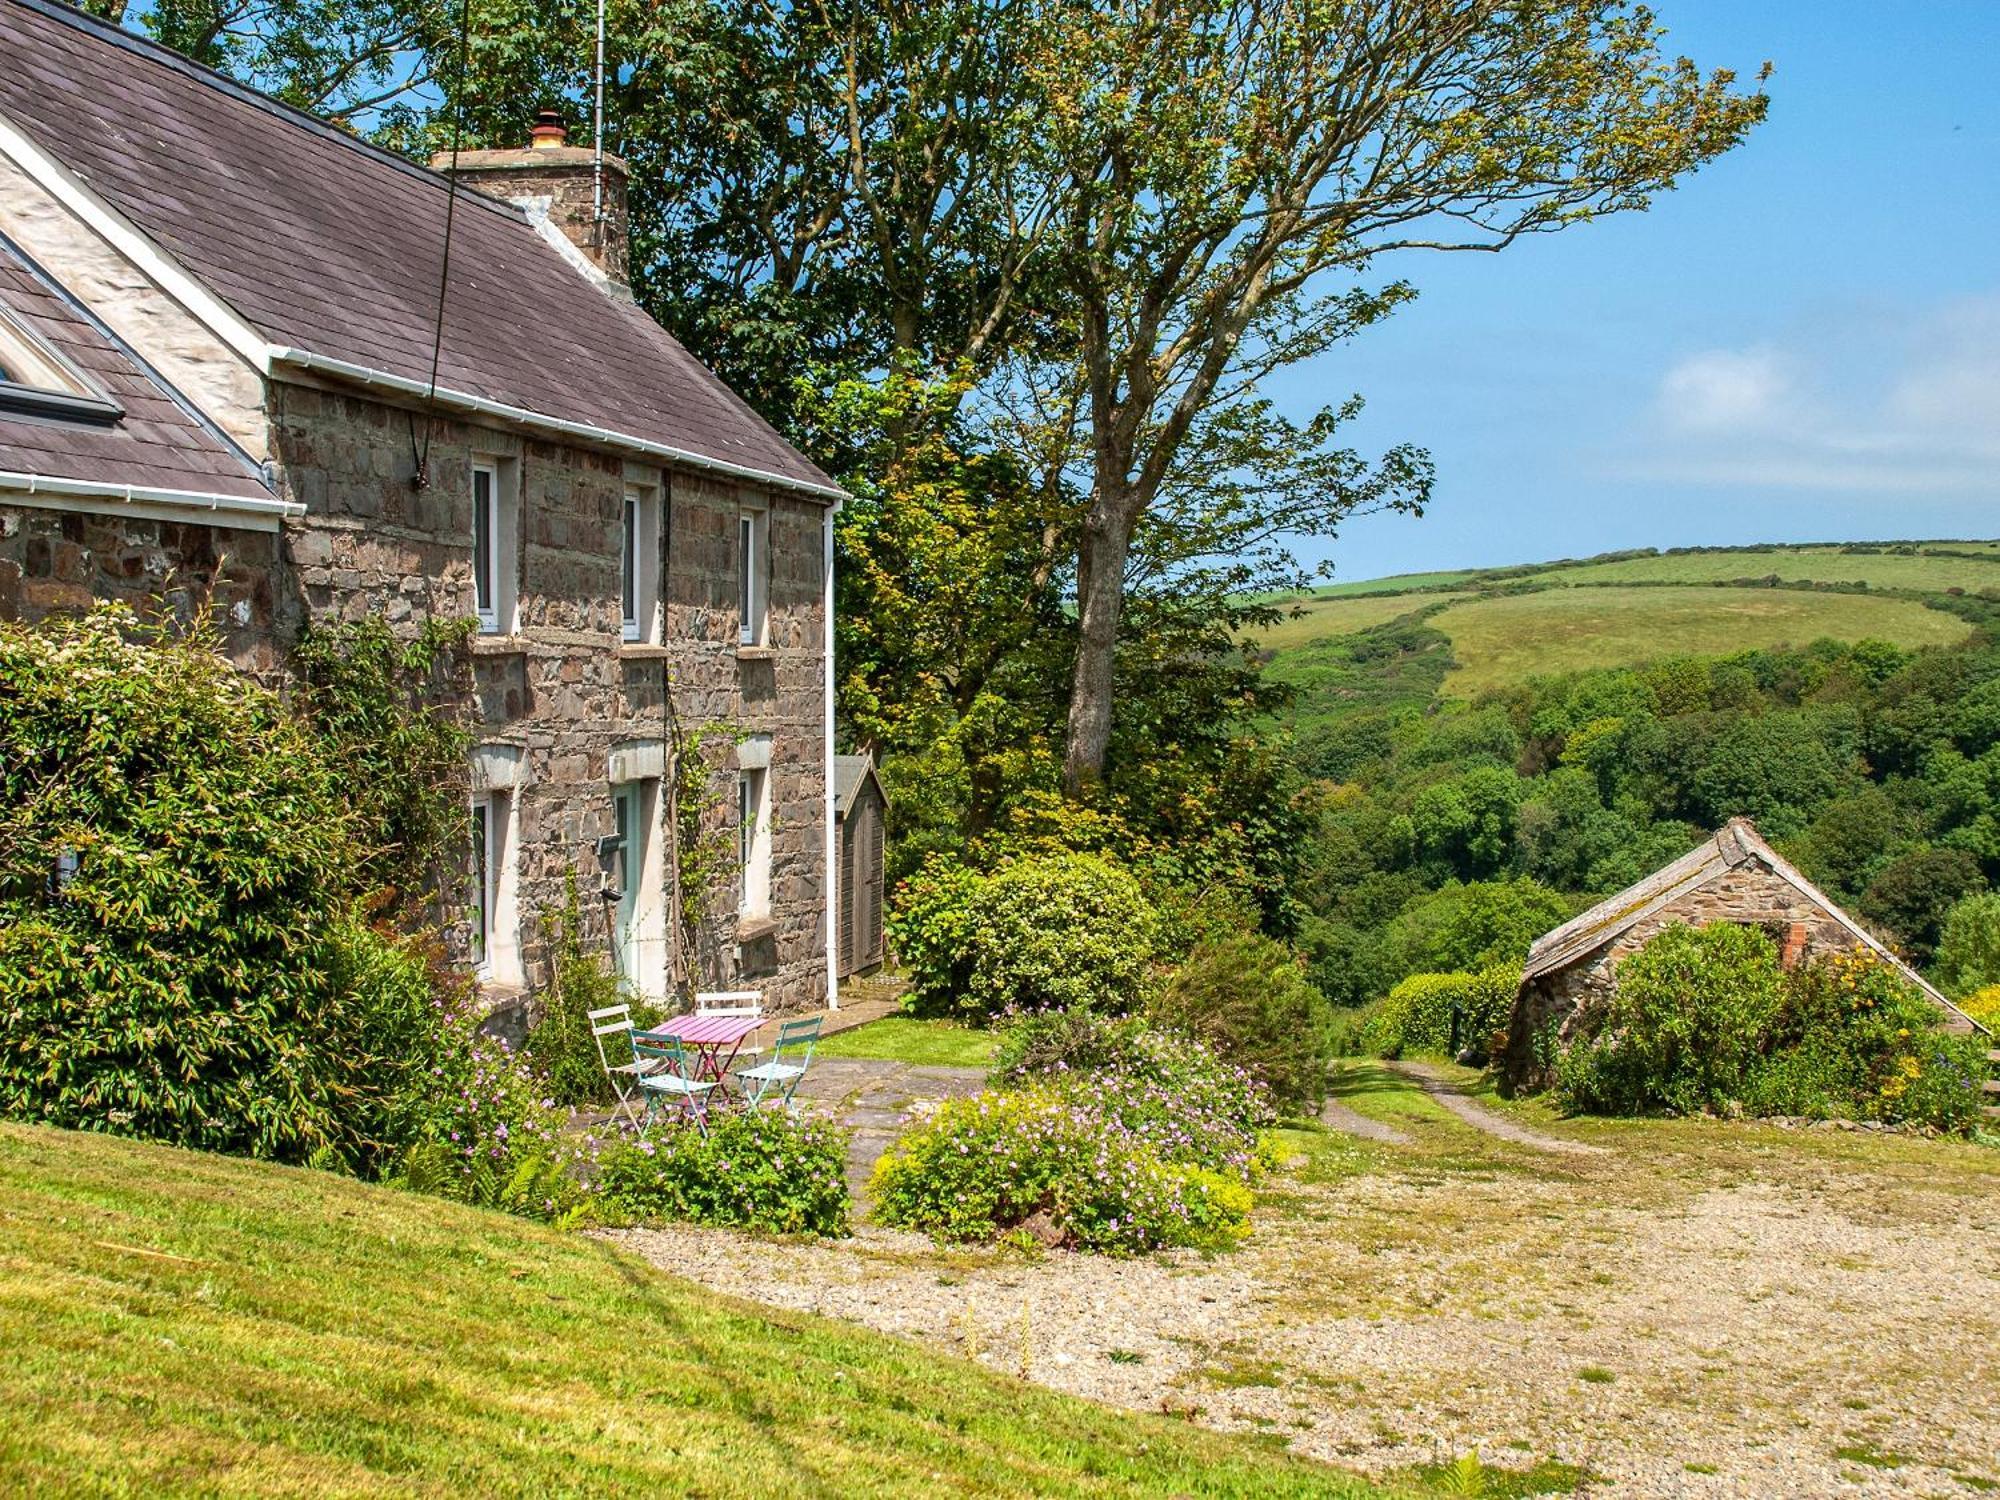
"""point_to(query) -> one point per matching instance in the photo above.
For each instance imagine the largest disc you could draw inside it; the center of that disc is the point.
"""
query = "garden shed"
(1732, 877)
(860, 807)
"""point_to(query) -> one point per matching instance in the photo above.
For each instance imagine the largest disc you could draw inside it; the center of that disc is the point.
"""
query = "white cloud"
(1722, 390)
(1907, 407)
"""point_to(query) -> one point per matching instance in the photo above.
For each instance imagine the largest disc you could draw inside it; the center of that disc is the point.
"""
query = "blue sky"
(1800, 343)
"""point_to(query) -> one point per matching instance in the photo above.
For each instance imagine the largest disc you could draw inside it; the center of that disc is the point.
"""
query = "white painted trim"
(636, 760)
(135, 245)
(305, 359)
(832, 832)
(245, 512)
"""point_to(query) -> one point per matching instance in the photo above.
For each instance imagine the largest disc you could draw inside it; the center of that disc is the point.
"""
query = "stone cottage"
(1733, 877)
(236, 361)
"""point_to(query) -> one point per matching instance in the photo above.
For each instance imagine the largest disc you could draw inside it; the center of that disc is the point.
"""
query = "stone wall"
(563, 689)
(61, 561)
(1567, 1000)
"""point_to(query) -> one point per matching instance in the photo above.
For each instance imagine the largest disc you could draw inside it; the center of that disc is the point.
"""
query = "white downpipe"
(832, 835)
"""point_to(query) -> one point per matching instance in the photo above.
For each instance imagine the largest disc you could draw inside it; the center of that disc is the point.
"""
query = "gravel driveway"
(1702, 1309)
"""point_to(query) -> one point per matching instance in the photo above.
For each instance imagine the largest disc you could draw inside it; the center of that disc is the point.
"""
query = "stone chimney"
(555, 180)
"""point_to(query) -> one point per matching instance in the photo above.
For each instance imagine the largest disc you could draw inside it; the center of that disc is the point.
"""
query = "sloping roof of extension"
(1736, 843)
(329, 247)
(850, 774)
(157, 444)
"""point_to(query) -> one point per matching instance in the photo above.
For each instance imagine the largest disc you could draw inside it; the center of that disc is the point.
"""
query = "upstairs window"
(639, 567)
(752, 551)
(495, 583)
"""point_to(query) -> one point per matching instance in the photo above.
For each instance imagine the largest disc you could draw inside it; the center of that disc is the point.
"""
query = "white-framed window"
(37, 380)
(753, 532)
(495, 576)
(639, 566)
(636, 885)
(753, 840)
(494, 917)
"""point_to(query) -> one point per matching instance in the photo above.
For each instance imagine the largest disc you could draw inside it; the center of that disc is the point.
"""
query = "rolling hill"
(1456, 634)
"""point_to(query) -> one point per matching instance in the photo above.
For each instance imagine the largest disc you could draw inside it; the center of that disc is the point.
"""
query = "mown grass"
(186, 1324)
(909, 1040)
(1501, 640)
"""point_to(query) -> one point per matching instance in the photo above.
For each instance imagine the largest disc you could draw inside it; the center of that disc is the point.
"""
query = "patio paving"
(874, 1099)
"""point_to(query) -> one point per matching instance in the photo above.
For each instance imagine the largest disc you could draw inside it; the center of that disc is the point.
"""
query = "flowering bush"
(1041, 933)
(992, 1163)
(1167, 1090)
(1712, 1022)
(764, 1169)
(1983, 1006)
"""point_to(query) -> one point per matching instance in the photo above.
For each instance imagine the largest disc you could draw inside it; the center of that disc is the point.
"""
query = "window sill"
(750, 929)
(643, 651)
(756, 653)
(498, 992)
(497, 645)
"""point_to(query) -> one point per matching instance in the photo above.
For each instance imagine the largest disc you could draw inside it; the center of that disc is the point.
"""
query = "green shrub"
(1035, 934)
(1167, 1089)
(561, 1044)
(1968, 950)
(205, 976)
(990, 1164)
(1467, 928)
(1983, 1006)
(1249, 999)
(1684, 1027)
(1414, 1018)
(761, 1169)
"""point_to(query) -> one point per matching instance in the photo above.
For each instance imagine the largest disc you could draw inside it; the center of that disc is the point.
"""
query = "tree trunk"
(1100, 598)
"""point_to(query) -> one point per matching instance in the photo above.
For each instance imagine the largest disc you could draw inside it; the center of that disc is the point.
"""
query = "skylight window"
(37, 381)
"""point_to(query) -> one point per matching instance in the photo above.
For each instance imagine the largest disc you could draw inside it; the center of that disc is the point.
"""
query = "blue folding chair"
(789, 1059)
(671, 1081)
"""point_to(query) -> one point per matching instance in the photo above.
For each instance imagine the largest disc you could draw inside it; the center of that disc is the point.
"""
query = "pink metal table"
(706, 1037)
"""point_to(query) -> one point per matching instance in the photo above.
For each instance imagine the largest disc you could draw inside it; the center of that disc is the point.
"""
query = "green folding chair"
(672, 1081)
(789, 1059)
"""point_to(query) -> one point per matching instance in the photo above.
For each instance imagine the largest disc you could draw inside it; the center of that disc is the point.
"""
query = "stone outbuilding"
(254, 365)
(1732, 877)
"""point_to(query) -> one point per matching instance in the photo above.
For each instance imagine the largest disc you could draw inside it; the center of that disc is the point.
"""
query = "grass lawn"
(179, 1323)
(906, 1039)
(1501, 640)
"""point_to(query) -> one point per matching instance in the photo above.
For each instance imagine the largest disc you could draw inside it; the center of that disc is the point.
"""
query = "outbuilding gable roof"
(850, 774)
(1734, 844)
(330, 249)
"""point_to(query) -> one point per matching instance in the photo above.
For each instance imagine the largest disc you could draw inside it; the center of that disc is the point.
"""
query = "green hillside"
(179, 1323)
(1473, 630)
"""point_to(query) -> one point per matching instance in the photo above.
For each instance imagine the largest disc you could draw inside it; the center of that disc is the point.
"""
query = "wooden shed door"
(871, 933)
(845, 889)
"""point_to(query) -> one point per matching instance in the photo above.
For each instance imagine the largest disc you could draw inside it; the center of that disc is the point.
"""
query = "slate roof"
(157, 444)
(324, 244)
(1734, 844)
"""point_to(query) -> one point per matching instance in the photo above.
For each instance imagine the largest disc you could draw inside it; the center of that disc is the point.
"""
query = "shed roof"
(850, 774)
(157, 442)
(329, 247)
(1734, 844)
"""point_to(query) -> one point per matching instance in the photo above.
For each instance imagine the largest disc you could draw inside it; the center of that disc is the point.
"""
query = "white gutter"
(832, 835)
(462, 401)
(246, 512)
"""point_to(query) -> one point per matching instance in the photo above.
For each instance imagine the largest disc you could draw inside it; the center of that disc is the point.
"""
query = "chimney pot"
(548, 133)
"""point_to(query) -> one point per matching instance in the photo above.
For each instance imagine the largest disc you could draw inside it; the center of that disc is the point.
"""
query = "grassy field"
(1928, 573)
(1504, 639)
(185, 1324)
(906, 1039)
(1319, 619)
(1393, 583)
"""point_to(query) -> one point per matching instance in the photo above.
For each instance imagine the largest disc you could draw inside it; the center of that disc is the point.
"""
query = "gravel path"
(1712, 1310)
(1338, 1116)
(1453, 1097)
